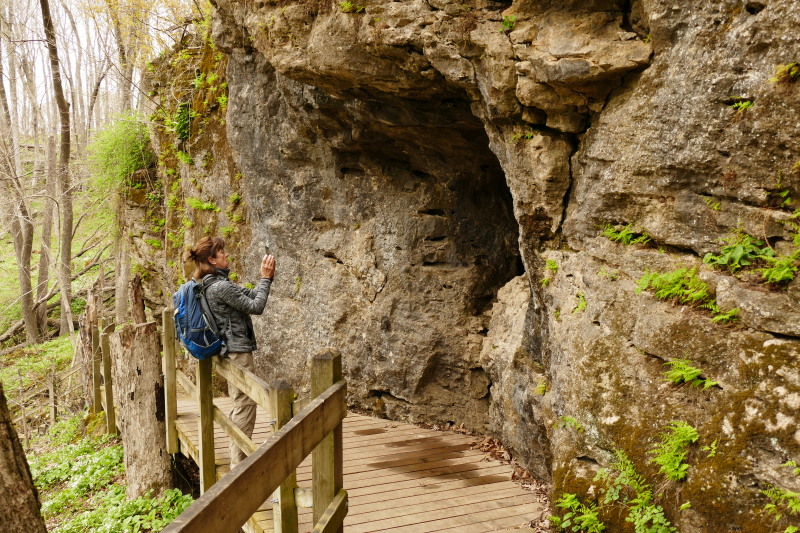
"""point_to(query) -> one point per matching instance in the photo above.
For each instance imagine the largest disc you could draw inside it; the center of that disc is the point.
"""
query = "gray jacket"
(232, 306)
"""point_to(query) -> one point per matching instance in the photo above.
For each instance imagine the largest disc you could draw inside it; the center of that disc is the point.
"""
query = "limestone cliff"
(442, 185)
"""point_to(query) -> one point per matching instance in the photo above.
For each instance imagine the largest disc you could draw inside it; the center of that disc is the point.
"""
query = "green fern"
(625, 235)
(579, 516)
(581, 303)
(669, 455)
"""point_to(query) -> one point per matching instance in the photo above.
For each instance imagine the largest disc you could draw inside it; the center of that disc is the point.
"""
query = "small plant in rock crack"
(551, 266)
(740, 250)
(541, 388)
(566, 421)
(626, 235)
(581, 303)
(578, 516)
(742, 106)
(786, 73)
(711, 449)
(681, 372)
(508, 23)
(669, 455)
(611, 276)
(350, 7)
(711, 203)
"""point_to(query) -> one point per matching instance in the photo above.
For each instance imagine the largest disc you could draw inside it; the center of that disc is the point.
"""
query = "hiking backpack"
(195, 325)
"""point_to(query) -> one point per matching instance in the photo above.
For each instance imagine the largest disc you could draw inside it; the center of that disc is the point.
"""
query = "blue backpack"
(195, 325)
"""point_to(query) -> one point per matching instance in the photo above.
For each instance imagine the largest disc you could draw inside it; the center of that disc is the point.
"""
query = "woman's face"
(220, 260)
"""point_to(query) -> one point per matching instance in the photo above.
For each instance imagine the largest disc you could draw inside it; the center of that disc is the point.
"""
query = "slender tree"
(65, 272)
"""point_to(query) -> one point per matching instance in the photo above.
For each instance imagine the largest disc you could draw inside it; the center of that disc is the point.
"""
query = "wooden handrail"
(244, 380)
(232, 500)
(227, 425)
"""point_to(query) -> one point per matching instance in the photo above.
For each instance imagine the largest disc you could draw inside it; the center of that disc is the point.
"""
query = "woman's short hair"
(205, 249)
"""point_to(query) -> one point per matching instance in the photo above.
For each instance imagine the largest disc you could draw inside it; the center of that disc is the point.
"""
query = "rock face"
(433, 177)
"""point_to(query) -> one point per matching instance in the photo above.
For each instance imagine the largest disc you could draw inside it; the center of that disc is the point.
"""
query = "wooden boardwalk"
(400, 478)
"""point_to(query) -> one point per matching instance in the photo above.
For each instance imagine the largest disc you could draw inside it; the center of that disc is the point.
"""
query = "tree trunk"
(87, 320)
(17, 491)
(139, 395)
(22, 234)
(137, 300)
(47, 233)
(66, 188)
(123, 271)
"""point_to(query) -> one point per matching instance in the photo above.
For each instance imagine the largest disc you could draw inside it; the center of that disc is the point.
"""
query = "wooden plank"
(111, 419)
(284, 510)
(506, 522)
(229, 503)
(471, 519)
(205, 403)
(98, 402)
(170, 385)
(414, 516)
(333, 517)
(326, 459)
(230, 429)
(244, 380)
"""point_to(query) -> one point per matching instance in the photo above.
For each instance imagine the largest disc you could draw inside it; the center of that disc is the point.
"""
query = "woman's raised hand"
(268, 267)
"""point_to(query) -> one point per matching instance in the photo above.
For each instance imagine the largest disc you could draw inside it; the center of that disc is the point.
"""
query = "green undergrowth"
(683, 286)
(578, 516)
(81, 483)
(35, 363)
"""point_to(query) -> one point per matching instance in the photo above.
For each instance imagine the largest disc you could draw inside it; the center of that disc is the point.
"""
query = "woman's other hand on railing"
(268, 267)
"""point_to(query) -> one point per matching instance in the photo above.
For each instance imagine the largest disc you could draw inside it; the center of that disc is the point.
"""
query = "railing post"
(53, 400)
(111, 419)
(170, 380)
(284, 512)
(96, 400)
(326, 459)
(205, 402)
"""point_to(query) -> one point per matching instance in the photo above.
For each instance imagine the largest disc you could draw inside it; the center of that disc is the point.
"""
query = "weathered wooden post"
(96, 400)
(139, 391)
(170, 380)
(205, 402)
(326, 459)
(111, 419)
(51, 387)
(284, 511)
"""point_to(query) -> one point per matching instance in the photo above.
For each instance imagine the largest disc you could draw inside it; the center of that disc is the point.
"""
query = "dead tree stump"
(20, 500)
(139, 396)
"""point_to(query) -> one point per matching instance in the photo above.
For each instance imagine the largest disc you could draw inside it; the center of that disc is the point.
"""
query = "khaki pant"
(243, 413)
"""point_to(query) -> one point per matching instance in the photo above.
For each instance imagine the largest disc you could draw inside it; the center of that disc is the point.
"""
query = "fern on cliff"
(669, 455)
(626, 235)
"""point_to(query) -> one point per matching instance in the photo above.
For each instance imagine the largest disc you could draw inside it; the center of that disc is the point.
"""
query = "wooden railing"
(310, 426)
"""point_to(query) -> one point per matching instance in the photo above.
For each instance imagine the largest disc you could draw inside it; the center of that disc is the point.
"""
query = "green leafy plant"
(626, 235)
(118, 150)
(508, 23)
(184, 157)
(786, 73)
(669, 455)
(567, 421)
(647, 39)
(182, 122)
(711, 203)
(711, 449)
(235, 198)
(153, 243)
(222, 101)
(622, 482)
(682, 372)
(685, 505)
(685, 287)
(227, 231)
(557, 314)
(741, 250)
(551, 265)
(578, 516)
(199, 205)
(541, 388)
(350, 7)
(741, 106)
(581, 303)
(611, 276)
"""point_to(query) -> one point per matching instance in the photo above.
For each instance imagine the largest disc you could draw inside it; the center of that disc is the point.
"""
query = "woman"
(232, 306)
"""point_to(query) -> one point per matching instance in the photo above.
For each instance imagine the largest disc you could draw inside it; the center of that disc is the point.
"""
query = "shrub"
(119, 149)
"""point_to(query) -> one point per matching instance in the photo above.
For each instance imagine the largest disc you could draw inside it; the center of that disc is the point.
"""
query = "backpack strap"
(200, 294)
